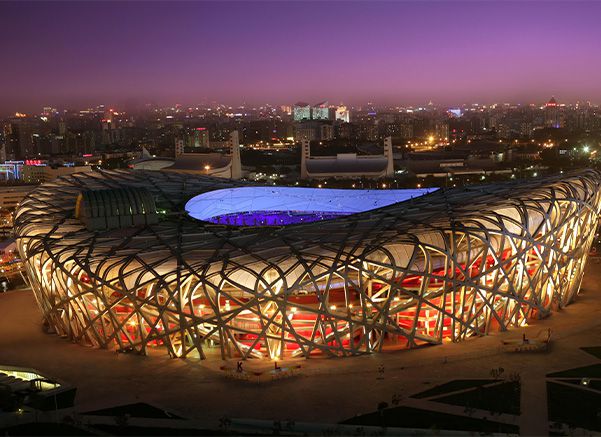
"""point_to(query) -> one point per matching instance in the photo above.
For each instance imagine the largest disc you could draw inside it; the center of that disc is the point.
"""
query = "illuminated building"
(418, 269)
(552, 114)
(347, 165)
(11, 170)
(301, 111)
(200, 138)
(37, 173)
(34, 391)
(320, 111)
(343, 114)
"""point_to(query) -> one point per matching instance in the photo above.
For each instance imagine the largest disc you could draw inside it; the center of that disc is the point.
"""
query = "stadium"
(205, 267)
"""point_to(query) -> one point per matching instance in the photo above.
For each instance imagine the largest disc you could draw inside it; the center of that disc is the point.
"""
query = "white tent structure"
(240, 200)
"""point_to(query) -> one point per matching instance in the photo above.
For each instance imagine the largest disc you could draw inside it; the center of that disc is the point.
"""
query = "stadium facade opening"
(115, 261)
(280, 206)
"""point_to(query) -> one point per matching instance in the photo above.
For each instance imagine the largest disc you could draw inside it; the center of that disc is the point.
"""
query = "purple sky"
(84, 53)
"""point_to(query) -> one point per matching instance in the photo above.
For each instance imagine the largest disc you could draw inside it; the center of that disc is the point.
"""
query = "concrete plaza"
(326, 390)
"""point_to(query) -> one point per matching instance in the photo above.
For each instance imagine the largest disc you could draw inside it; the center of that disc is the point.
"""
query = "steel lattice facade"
(445, 266)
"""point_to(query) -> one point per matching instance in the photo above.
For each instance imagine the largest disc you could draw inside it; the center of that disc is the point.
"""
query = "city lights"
(300, 218)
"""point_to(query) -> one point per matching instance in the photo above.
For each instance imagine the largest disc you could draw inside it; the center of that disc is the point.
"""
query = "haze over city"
(75, 54)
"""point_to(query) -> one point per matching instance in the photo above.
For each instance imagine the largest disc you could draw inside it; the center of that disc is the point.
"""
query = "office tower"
(320, 111)
(301, 111)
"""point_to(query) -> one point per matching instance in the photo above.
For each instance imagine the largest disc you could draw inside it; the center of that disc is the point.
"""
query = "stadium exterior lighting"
(424, 270)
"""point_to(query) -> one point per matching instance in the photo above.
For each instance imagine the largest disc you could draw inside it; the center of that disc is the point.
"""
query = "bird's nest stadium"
(207, 267)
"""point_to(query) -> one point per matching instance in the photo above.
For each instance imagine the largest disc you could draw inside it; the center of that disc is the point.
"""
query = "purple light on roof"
(281, 206)
(274, 218)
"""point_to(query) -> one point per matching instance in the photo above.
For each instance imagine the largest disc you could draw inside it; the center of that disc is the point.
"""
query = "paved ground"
(328, 390)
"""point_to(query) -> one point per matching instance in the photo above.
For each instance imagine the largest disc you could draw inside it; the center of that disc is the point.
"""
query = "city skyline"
(407, 53)
(359, 106)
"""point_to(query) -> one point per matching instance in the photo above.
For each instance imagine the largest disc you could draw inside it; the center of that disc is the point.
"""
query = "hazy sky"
(401, 52)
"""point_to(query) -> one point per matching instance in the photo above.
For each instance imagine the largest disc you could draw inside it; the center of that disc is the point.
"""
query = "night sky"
(86, 53)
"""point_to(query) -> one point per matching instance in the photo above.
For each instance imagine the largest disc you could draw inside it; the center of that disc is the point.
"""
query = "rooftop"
(316, 203)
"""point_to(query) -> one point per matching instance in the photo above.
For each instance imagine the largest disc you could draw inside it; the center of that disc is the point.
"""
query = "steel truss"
(445, 266)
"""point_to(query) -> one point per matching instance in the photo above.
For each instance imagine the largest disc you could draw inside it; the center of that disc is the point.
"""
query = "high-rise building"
(343, 114)
(48, 111)
(552, 114)
(320, 111)
(306, 132)
(406, 130)
(441, 131)
(301, 111)
(314, 130)
(326, 132)
(200, 137)
(18, 133)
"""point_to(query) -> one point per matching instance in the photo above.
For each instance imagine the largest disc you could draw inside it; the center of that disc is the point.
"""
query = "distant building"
(406, 130)
(552, 115)
(320, 111)
(11, 196)
(301, 111)
(306, 131)
(11, 170)
(18, 134)
(342, 114)
(441, 131)
(347, 165)
(326, 132)
(226, 166)
(313, 130)
(38, 174)
(200, 138)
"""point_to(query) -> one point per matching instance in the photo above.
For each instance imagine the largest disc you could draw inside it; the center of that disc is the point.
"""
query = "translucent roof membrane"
(277, 206)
